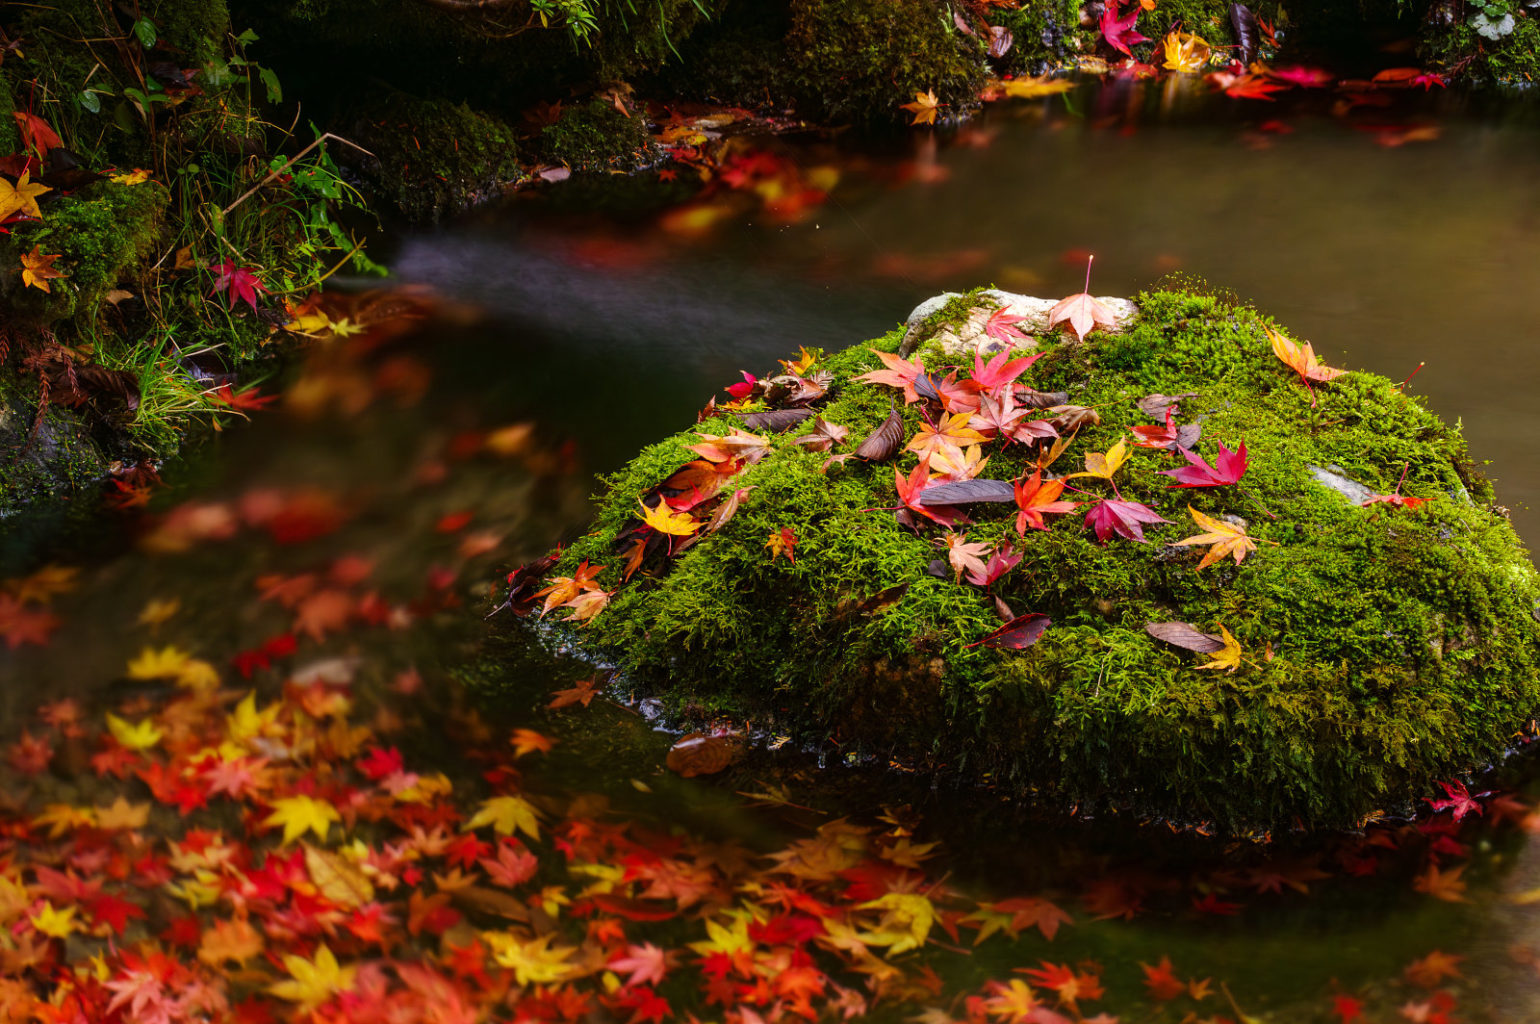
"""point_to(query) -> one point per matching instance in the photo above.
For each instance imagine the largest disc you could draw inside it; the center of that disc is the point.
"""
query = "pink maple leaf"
(1460, 801)
(1118, 28)
(646, 964)
(237, 282)
(1227, 469)
(1124, 518)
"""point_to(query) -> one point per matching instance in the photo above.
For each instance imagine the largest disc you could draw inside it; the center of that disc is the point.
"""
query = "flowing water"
(590, 318)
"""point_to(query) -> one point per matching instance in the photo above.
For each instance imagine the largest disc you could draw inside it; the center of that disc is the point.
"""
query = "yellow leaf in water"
(1185, 51)
(166, 663)
(507, 814)
(157, 611)
(924, 108)
(313, 982)
(534, 962)
(301, 814)
(141, 736)
(337, 878)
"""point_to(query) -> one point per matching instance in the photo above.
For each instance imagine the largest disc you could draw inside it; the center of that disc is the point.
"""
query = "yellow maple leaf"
(37, 269)
(661, 518)
(137, 176)
(534, 962)
(953, 431)
(199, 676)
(506, 814)
(1032, 88)
(122, 814)
(1226, 540)
(1229, 656)
(337, 878)
(44, 585)
(246, 722)
(313, 982)
(156, 611)
(1104, 465)
(730, 937)
(301, 814)
(1185, 51)
(55, 923)
(140, 736)
(166, 663)
(62, 818)
(906, 921)
(230, 940)
(924, 108)
(21, 197)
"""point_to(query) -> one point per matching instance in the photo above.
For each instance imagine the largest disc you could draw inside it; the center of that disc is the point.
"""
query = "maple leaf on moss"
(1228, 468)
(313, 982)
(1035, 498)
(899, 373)
(1226, 540)
(1301, 358)
(301, 814)
(1118, 29)
(21, 197)
(1227, 657)
(664, 520)
(37, 269)
(953, 430)
(1124, 518)
(1104, 465)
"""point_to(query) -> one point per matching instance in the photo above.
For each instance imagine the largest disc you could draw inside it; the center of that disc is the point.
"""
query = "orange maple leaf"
(38, 269)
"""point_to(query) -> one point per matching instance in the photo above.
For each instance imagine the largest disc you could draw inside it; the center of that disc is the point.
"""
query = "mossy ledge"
(1386, 648)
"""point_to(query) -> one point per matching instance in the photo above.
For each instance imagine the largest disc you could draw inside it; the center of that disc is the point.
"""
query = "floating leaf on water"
(700, 754)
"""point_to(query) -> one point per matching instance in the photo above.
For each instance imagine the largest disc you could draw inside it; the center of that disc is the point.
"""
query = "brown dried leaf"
(823, 436)
(776, 420)
(884, 441)
(1070, 418)
(1184, 635)
(700, 754)
(1155, 406)
(1019, 633)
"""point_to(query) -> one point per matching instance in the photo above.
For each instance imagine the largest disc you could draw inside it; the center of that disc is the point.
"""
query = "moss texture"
(856, 61)
(1459, 48)
(1403, 645)
(104, 235)
(596, 138)
(432, 157)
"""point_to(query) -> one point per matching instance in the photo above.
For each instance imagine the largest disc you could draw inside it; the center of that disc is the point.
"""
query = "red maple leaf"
(1001, 326)
(1227, 469)
(1118, 29)
(35, 133)
(1305, 78)
(1161, 981)
(743, 390)
(1460, 801)
(246, 400)
(1124, 518)
(998, 372)
(910, 489)
(900, 373)
(238, 282)
(1034, 498)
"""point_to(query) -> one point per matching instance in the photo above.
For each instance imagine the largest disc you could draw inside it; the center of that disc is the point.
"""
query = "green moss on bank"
(596, 138)
(431, 158)
(1403, 648)
(854, 60)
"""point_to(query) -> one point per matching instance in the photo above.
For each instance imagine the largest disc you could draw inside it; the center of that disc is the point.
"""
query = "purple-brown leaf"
(1184, 635)
(1021, 632)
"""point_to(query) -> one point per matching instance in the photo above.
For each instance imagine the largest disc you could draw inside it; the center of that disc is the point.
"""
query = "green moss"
(195, 27)
(596, 137)
(857, 61)
(1385, 648)
(54, 458)
(104, 233)
(10, 139)
(1514, 59)
(432, 157)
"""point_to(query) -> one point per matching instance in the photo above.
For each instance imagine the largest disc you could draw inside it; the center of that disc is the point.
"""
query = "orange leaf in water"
(583, 692)
(924, 108)
(1442, 885)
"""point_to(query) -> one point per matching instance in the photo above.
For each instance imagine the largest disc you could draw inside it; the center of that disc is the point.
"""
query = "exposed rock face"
(1381, 647)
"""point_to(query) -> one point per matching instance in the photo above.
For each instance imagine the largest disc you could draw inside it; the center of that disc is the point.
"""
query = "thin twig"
(286, 165)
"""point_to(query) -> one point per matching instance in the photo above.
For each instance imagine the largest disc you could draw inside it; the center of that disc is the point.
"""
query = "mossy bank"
(1385, 648)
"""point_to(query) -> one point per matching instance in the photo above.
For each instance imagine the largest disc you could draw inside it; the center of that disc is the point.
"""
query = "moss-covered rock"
(1504, 48)
(431, 158)
(1385, 647)
(853, 60)
(103, 234)
(596, 137)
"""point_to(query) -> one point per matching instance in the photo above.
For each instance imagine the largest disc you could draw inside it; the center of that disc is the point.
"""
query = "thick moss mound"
(1384, 647)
